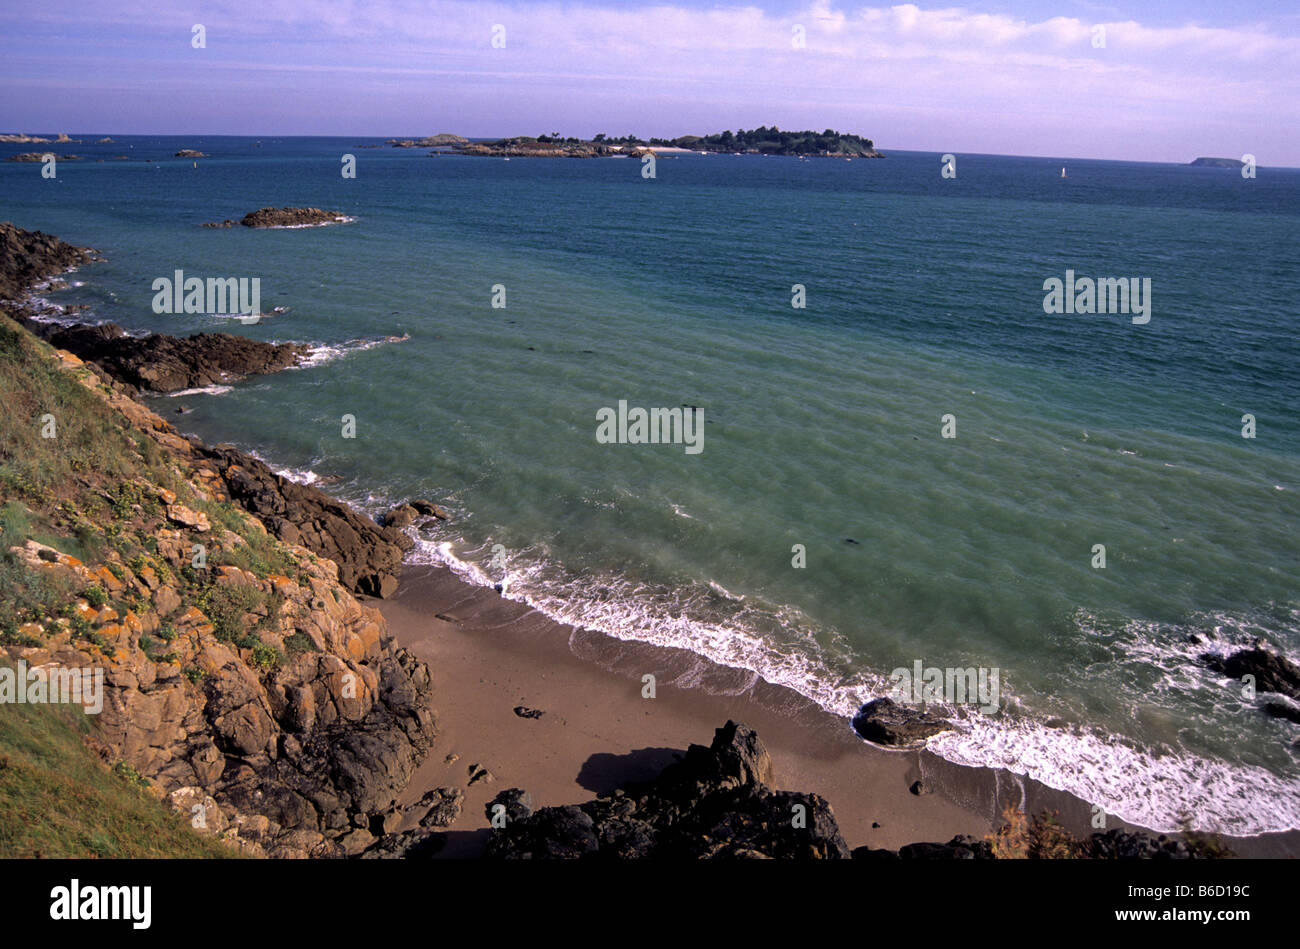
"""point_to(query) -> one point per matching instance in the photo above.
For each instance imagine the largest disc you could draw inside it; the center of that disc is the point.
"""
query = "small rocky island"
(432, 141)
(282, 217)
(759, 141)
(1219, 162)
(190, 153)
(40, 156)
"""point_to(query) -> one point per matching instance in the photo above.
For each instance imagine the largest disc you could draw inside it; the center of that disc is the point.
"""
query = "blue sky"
(1173, 80)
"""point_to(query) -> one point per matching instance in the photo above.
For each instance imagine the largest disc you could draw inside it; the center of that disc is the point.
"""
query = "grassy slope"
(57, 799)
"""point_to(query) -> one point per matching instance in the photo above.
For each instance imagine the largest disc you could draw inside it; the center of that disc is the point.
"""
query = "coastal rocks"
(442, 806)
(885, 722)
(512, 804)
(187, 518)
(431, 141)
(429, 509)
(401, 516)
(715, 802)
(40, 156)
(161, 363)
(28, 256)
(190, 153)
(289, 217)
(404, 515)
(368, 556)
(282, 217)
(1273, 672)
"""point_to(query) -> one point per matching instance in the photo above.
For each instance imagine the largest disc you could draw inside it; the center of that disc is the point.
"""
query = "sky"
(1166, 80)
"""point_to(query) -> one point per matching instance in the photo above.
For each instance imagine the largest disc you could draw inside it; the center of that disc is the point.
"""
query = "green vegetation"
(764, 140)
(27, 596)
(226, 607)
(57, 800)
(41, 399)
(296, 643)
(262, 555)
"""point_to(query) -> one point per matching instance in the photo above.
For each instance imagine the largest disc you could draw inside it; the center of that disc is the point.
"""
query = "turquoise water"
(924, 298)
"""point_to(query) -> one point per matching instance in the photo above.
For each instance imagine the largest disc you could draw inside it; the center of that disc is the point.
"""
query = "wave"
(201, 390)
(322, 353)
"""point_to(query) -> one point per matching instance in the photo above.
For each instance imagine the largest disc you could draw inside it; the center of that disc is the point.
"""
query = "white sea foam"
(341, 219)
(201, 390)
(325, 353)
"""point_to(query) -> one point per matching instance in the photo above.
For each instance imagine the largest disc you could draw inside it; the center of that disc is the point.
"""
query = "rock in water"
(1272, 672)
(288, 217)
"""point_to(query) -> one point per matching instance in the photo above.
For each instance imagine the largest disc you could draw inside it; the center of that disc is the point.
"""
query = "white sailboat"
(1062, 171)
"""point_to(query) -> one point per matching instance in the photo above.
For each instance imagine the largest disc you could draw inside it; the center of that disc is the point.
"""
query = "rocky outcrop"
(368, 556)
(251, 688)
(162, 363)
(190, 153)
(289, 217)
(41, 156)
(1273, 672)
(885, 722)
(282, 217)
(716, 802)
(29, 256)
(1111, 845)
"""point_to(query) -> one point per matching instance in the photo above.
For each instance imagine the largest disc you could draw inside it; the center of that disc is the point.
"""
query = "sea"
(903, 456)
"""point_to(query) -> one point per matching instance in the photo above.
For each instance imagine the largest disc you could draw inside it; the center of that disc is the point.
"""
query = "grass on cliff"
(55, 433)
(58, 800)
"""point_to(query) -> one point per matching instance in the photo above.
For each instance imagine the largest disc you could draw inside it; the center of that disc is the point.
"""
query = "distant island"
(759, 141)
(1219, 162)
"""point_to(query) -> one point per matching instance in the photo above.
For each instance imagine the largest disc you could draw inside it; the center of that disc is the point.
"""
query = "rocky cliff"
(242, 677)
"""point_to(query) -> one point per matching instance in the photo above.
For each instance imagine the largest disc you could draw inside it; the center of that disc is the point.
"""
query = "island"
(283, 217)
(1219, 162)
(759, 141)
(190, 153)
(431, 141)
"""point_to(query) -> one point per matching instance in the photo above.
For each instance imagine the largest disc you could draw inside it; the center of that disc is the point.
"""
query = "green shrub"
(95, 596)
(296, 643)
(266, 657)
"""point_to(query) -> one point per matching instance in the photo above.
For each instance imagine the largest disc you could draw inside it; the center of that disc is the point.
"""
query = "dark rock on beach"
(885, 722)
(523, 711)
(441, 806)
(514, 803)
(716, 802)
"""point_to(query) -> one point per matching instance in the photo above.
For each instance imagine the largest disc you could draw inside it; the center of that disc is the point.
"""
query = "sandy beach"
(488, 655)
